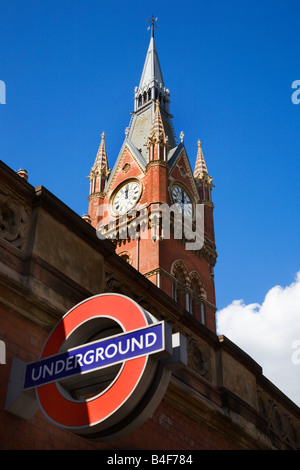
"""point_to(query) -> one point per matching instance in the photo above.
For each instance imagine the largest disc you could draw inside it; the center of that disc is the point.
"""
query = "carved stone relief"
(13, 220)
(279, 420)
(199, 358)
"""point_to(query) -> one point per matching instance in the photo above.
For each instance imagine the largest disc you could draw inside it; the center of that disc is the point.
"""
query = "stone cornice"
(97, 194)
(161, 163)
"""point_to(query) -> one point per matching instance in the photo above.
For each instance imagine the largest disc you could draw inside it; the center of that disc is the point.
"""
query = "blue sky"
(70, 68)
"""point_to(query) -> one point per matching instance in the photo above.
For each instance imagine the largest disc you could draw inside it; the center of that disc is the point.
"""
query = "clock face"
(182, 201)
(126, 197)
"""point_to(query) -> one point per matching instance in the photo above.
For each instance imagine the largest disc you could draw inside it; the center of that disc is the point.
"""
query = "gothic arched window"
(126, 256)
(180, 285)
(198, 295)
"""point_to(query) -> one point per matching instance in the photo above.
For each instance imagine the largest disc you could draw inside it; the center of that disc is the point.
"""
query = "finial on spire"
(152, 24)
(200, 172)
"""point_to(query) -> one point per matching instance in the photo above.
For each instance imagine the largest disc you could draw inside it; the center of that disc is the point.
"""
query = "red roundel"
(115, 401)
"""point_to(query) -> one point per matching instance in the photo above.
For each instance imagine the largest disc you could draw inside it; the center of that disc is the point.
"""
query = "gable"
(181, 171)
(128, 165)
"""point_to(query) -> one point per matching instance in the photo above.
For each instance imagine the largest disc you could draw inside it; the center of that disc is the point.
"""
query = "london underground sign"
(104, 368)
(96, 355)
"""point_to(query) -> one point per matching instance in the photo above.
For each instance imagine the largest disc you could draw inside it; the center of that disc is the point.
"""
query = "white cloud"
(270, 334)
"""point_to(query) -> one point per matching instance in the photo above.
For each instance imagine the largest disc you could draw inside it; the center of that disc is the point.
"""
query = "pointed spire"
(151, 71)
(157, 141)
(101, 163)
(200, 172)
(151, 84)
(100, 170)
(157, 132)
(150, 89)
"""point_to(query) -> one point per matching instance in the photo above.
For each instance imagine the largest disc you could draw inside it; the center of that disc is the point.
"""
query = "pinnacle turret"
(200, 172)
(101, 163)
(157, 142)
(157, 132)
(203, 180)
(100, 170)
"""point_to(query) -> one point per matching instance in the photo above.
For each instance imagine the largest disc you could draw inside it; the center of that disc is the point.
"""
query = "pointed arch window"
(180, 286)
(126, 256)
(198, 296)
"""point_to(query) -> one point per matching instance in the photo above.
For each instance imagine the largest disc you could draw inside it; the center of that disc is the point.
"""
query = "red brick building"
(155, 171)
(51, 259)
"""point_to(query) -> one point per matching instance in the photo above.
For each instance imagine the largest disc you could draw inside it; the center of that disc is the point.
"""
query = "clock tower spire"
(152, 195)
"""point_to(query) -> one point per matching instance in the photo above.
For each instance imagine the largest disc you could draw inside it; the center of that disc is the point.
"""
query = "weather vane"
(152, 24)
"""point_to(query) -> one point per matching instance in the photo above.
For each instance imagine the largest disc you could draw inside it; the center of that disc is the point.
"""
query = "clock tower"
(153, 206)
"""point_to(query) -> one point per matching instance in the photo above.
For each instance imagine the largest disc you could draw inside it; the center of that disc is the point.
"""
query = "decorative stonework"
(120, 165)
(126, 256)
(126, 167)
(160, 271)
(200, 172)
(13, 220)
(199, 358)
(182, 171)
(184, 167)
(279, 421)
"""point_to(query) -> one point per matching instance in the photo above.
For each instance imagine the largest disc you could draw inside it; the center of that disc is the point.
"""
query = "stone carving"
(13, 220)
(199, 358)
(279, 420)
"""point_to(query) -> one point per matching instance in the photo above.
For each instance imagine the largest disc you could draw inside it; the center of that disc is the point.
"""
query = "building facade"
(51, 260)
